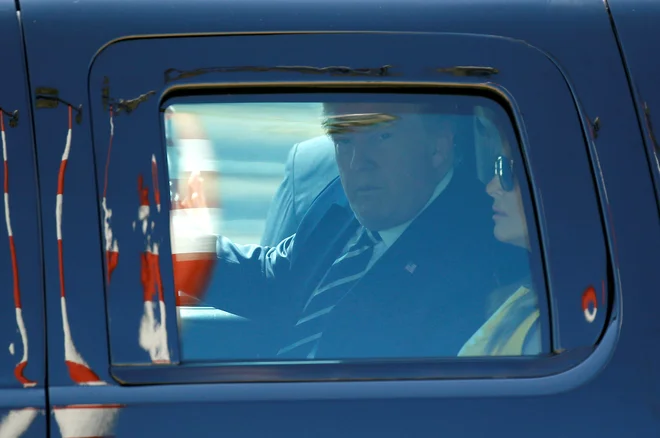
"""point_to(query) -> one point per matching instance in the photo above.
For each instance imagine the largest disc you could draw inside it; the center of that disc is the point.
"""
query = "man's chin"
(373, 221)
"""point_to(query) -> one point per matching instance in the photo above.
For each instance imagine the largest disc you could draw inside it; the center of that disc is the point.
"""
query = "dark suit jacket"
(309, 168)
(425, 296)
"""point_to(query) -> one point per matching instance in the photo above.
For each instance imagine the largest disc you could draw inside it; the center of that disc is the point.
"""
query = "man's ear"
(443, 150)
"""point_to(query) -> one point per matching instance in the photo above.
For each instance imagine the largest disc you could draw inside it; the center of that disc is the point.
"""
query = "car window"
(405, 229)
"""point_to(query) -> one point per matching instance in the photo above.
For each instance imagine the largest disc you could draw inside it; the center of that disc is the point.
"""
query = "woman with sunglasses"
(513, 329)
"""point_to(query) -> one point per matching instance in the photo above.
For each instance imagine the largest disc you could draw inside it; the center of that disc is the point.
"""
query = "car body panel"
(613, 392)
(633, 21)
(22, 332)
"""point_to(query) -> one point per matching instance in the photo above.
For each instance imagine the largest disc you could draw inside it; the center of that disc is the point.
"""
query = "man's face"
(389, 160)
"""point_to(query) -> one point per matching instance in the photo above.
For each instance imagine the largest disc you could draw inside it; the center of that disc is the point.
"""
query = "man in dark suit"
(395, 258)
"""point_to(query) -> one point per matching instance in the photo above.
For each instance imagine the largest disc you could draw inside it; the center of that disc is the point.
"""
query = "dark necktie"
(344, 273)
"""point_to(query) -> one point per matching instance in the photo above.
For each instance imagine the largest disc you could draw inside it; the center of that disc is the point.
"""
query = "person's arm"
(254, 280)
(249, 280)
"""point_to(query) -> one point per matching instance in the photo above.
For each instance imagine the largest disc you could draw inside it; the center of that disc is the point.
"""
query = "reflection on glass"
(399, 232)
(243, 148)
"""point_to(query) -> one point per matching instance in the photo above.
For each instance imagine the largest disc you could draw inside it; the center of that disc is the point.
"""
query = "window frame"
(592, 357)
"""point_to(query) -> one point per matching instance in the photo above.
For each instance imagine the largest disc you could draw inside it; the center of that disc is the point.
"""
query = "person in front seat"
(309, 168)
(393, 259)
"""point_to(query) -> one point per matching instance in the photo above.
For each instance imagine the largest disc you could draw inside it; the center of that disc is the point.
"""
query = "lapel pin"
(410, 267)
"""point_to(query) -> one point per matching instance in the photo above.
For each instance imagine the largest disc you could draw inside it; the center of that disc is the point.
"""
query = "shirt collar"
(390, 236)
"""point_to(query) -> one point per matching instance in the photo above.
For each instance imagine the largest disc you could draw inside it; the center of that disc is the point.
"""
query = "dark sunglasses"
(504, 172)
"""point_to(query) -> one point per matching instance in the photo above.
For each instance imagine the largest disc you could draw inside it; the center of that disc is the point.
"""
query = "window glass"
(352, 226)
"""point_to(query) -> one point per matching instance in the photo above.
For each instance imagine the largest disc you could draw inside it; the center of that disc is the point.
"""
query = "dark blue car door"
(557, 67)
(22, 361)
